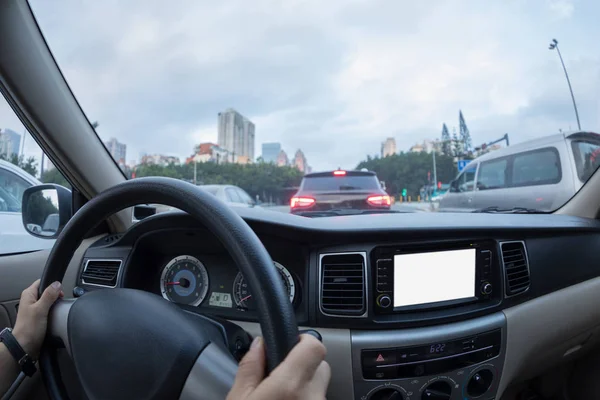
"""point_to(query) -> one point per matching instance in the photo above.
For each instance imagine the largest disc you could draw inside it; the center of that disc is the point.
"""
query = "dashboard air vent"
(101, 272)
(516, 268)
(343, 284)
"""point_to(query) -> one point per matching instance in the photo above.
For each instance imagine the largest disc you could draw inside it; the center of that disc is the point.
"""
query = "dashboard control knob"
(387, 394)
(439, 390)
(384, 301)
(486, 288)
(480, 382)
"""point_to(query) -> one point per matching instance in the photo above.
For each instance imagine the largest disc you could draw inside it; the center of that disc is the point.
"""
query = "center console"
(456, 361)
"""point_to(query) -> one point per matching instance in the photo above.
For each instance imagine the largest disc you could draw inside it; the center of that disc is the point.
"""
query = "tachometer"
(184, 280)
(243, 297)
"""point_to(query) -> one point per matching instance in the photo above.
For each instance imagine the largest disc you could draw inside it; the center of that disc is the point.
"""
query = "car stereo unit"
(439, 275)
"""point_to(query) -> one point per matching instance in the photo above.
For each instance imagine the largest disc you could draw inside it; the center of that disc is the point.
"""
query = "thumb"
(251, 371)
(49, 296)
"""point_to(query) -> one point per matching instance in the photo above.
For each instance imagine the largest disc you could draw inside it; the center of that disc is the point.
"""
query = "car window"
(232, 195)
(244, 197)
(539, 167)
(492, 174)
(211, 189)
(22, 165)
(587, 158)
(322, 183)
(11, 189)
(466, 181)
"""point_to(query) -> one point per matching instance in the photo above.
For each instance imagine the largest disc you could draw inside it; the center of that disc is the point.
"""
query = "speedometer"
(241, 293)
(184, 280)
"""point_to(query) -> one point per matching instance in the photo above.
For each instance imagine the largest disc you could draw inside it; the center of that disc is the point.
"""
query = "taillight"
(379, 200)
(339, 173)
(301, 202)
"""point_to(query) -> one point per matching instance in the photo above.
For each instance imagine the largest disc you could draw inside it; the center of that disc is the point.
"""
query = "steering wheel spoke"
(58, 324)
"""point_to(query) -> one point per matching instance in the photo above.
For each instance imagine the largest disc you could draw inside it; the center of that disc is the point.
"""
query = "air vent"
(101, 273)
(516, 268)
(343, 284)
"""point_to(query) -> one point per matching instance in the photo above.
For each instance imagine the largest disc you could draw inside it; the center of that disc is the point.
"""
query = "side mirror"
(46, 209)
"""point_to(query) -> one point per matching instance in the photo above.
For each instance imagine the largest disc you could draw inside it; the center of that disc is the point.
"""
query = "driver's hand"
(302, 375)
(32, 318)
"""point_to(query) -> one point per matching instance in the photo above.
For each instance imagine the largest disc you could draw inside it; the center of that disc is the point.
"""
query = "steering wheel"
(127, 343)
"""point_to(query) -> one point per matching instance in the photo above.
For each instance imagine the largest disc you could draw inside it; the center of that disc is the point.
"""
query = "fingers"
(302, 362)
(48, 298)
(30, 295)
(250, 372)
(322, 377)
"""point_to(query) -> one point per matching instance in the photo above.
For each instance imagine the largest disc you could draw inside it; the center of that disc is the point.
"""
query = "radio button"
(373, 358)
(380, 373)
(384, 301)
(486, 288)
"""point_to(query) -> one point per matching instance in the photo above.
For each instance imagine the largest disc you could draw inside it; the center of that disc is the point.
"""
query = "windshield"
(325, 183)
(456, 106)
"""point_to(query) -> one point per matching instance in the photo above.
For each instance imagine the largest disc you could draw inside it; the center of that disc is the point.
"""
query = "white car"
(13, 236)
(230, 194)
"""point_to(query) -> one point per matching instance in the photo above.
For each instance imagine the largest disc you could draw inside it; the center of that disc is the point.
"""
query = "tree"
(446, 141)
(409, 170)
(457, 148)
(465, 135)
(54, 176)
(29, 165)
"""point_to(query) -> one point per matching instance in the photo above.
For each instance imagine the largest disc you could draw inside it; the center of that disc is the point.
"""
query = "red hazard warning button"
(371, 358)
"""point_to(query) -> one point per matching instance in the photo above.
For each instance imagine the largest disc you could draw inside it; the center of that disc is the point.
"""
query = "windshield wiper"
(343, 211)
(514, 210)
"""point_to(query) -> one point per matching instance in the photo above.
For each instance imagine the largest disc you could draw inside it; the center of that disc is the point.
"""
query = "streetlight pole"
(554, 45)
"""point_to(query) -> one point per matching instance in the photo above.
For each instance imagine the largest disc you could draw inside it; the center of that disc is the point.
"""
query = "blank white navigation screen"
(422, 278)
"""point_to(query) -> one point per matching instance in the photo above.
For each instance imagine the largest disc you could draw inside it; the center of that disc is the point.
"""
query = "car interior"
(165, 306)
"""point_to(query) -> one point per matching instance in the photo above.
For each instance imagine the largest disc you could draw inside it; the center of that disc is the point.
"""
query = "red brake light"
(301, 202)
(339, 173)
(379, 200)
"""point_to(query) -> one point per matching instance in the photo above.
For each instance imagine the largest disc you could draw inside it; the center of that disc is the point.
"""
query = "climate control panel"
(462, 362)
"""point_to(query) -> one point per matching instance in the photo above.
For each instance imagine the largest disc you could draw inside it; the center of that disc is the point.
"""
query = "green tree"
(29, 165)
(54, 176)
(409, 170)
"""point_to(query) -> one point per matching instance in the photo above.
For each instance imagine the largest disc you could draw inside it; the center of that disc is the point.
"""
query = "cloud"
(333, 78)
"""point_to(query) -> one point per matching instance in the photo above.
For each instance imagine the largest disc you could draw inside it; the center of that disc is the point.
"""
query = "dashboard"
(409, 305)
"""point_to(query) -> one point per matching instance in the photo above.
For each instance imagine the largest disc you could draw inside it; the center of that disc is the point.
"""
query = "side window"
(232, 195)
(11, 188)
(22, 165)
(245, 197)
(492, 174)
(539, 167)
(587, 158)
(466, 182)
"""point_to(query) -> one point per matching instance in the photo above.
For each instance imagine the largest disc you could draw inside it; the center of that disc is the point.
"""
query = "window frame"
(538, 183)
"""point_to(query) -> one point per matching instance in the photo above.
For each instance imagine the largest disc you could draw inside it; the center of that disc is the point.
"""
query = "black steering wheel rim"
(276, 315)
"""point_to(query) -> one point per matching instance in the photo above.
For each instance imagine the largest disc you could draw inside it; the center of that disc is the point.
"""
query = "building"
(210, 152)
(426, 146)
(158, 159)
(10, 143)
(388, 147)
(270, 152)
(300, 161)
(282, 159)
(117, 150)
(236, 134)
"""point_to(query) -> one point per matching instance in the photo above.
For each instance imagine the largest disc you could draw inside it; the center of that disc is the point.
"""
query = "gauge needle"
(245, 298)
(173, 283)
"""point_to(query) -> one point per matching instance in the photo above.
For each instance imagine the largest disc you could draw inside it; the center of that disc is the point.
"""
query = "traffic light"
(439, 185)
(404, 192)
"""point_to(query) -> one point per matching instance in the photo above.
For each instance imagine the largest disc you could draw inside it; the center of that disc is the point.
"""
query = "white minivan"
(540, 174)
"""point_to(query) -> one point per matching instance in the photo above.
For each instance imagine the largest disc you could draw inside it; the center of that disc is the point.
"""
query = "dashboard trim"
(366, 284)
(119, 272)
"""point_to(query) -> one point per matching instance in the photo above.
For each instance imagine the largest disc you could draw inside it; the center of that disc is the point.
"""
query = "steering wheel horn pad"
(127, 343)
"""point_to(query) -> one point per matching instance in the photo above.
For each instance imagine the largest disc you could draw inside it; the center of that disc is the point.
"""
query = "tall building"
(117, 150)
(10, 142)
(282, 159)
(388, 147)
(300, 161)
(236, 134)
(270, 152)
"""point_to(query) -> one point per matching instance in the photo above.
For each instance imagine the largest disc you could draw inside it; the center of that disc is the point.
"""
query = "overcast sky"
(334, 78)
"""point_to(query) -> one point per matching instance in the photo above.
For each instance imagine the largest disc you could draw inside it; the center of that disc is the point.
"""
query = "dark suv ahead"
(339, 190)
